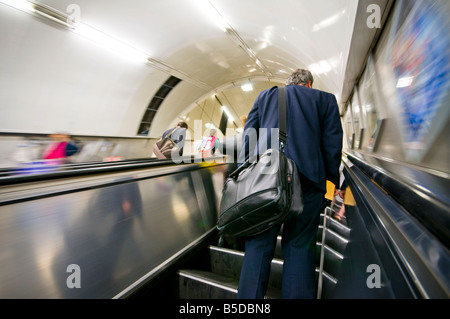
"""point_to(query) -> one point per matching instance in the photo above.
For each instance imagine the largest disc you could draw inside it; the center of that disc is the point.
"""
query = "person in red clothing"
(58, 150)
(209, 145)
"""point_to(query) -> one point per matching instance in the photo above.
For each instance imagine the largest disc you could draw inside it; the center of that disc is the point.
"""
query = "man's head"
(182, 125)
(300, 77)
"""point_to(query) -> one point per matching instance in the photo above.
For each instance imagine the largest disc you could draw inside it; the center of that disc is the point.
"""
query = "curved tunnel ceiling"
(214, 46)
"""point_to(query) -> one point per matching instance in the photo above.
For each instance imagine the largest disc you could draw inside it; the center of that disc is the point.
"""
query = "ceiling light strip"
(76, 26)
(225, 25)
(244, 46)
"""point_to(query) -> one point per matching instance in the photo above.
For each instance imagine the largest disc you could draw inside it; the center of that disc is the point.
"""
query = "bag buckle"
(283, 139)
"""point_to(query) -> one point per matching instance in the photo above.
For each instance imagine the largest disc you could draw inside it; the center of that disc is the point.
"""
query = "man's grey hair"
(300, 76)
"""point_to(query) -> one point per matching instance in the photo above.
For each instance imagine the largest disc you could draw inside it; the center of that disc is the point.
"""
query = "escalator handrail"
(109, 167)
(416, 251)
(431, 210)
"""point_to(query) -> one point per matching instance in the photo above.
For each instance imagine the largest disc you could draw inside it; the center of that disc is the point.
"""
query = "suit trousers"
(299, 253)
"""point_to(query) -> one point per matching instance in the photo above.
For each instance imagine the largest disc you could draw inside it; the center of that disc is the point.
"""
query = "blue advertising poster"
(420, 58)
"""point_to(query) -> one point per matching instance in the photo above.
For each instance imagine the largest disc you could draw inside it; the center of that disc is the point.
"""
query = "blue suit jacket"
(313, 126)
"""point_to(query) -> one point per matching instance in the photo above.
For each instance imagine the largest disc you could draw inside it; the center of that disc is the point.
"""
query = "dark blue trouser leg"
(299, 253)
(299, 250)
(259, 251)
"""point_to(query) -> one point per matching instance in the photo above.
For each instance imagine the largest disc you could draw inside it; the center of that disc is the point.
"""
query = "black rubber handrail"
(432, 210)
(406, 248)
(90, 169)
(14, 169)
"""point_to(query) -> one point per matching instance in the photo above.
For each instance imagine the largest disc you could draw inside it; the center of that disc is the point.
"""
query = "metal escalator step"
(328, 285)
(278, 250)
(335, 241)
(332, 260)
(203, 284)
(199, 284)
(221, 280)
(226, 261)
(229, 262)
(336, 226)
(239, 244)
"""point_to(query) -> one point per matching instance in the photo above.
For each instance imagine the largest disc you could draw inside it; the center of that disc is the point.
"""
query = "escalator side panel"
(95, 243)
(414, 261)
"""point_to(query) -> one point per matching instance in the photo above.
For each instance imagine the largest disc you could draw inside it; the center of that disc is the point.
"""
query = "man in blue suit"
(314, 142)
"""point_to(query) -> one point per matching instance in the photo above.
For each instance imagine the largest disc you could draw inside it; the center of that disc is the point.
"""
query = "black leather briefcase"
(260, 195)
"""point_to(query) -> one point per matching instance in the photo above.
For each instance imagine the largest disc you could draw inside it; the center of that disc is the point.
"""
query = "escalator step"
(336, 226)
(229, 262)
(198, 284)
(221, 280)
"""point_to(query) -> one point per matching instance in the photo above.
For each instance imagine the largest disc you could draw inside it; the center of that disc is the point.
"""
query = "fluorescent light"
(230, 117)
(84, 30)
(247, 87)
(405, 81)
(110, 43)
(22, 5)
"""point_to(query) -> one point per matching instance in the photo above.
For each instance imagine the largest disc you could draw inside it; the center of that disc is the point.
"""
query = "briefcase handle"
(237, 171)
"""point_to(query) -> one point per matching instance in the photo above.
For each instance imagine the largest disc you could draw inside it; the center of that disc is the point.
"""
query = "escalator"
(100, 231)
(221, 276)
(379, 251)
(169, 248)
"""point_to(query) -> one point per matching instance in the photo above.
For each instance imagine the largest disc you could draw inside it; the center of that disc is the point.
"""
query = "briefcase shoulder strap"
(168, 135)
(282, 116)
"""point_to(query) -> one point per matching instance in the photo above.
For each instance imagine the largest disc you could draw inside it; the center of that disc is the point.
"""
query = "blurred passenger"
(26, 152)
(145, 131)
(339, 199)
(60, 149)
(120, 205)
(338, 202)
(231, 146)
(102, 236)
(314, 143)
(178, 135)
(209, 145)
